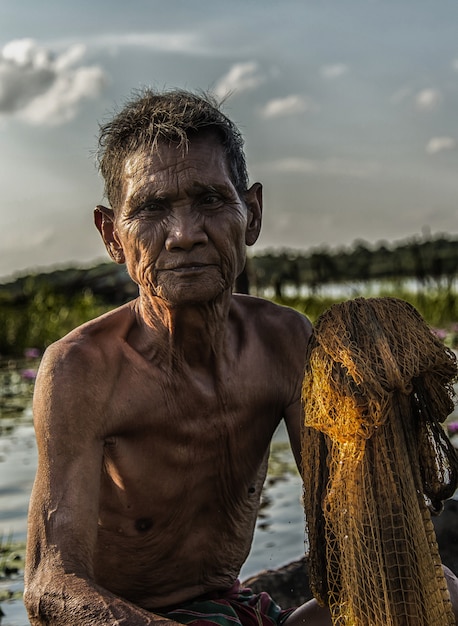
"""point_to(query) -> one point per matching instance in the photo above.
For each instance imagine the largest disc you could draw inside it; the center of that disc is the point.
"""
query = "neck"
(195, 333)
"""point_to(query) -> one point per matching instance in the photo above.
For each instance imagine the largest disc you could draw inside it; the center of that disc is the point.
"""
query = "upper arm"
(293, 415)
(63, 510)
(293, 419)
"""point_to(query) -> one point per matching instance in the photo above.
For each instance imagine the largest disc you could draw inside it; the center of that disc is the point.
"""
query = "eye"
(151, 208)
(211, 200)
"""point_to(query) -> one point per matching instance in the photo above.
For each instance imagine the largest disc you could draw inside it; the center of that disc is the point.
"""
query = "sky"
(349, 110)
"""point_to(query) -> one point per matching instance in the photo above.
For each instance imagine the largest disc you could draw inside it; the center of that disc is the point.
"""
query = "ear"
(253, 201)
(104, 220)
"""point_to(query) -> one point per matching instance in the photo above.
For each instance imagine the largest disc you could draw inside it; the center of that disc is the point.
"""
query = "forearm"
(77, 602)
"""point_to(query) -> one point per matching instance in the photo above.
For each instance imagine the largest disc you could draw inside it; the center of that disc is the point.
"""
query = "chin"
(189, 299)
(182, 293)
(188, 295)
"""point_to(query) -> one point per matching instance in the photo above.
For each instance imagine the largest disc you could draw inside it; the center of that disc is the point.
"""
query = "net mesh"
(376, 463)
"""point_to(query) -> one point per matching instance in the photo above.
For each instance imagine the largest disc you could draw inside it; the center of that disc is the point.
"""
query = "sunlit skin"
(154, 421)
(161, 412)
(179, 221)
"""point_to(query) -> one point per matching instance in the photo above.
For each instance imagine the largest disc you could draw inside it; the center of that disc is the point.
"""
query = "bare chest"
(194, 407)
(184, 464)
(168, 439)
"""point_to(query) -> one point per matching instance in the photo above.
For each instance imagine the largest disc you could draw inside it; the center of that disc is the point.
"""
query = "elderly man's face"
(182, 228)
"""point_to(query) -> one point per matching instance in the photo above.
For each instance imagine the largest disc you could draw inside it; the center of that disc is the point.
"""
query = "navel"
(143, 524)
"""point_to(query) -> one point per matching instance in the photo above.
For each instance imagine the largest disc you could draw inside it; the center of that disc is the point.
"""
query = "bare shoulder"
(280, 333)
(282, 322)
(75, 368)
(91, 342)
(274, 339)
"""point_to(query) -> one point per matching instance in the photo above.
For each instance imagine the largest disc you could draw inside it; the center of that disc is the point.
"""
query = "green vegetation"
(439, 308)
(47, 316)
(43, 318)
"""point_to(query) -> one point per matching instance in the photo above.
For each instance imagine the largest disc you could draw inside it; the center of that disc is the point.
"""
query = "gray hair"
(172, 116)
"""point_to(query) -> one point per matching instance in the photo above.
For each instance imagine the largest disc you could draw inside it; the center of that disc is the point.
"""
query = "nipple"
(143, 524)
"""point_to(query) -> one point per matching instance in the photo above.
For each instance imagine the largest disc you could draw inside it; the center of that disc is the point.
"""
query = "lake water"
(279, 535)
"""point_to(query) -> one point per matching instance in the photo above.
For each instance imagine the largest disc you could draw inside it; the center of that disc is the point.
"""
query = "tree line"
(36, 309)
(430, 262)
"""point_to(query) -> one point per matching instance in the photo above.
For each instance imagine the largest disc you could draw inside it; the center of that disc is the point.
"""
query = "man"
(154, 421)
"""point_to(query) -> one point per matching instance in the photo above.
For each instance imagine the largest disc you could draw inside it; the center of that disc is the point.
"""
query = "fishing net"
(377, 463)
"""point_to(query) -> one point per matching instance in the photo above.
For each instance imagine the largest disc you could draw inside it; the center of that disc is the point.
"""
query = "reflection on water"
(279, 535)
(18, 460)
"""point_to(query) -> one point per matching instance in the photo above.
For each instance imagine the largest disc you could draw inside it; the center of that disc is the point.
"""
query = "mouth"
(187, 267)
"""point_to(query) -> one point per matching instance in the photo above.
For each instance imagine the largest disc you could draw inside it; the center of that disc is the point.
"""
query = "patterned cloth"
(236, 606)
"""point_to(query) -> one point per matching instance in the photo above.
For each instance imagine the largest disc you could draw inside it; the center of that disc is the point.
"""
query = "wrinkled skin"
(182, 229)
(154, 421)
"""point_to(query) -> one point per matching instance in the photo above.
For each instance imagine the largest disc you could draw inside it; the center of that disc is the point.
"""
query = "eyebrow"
(222, 188)
(161, 195)
(140, 197)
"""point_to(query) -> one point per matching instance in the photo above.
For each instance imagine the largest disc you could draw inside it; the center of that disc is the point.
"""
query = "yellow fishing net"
(376, 462)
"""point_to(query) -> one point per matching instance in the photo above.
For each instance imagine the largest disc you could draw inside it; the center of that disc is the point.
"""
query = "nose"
(185, 231)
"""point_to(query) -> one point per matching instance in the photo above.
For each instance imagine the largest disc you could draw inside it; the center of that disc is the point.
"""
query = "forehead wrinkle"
(153, 174)
(193, 182)
(170, 155)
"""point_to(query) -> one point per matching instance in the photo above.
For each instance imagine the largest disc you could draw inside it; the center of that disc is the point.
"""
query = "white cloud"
(241, 77)
(290, 105)
(334, 71)
(42, 87)
(330, 167)
(188, 43)
(438, 144)
(24, 52)
(60, 102)
(428, 99)
(70, 57)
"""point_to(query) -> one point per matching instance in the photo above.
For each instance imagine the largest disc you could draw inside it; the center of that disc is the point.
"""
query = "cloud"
(438, 144)
(428, 99)
(328, 167)
(455, 65)
(191, 44)
(291, 105)
(241, 77)
(334, 71)
(41, 87)
(188, 43)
